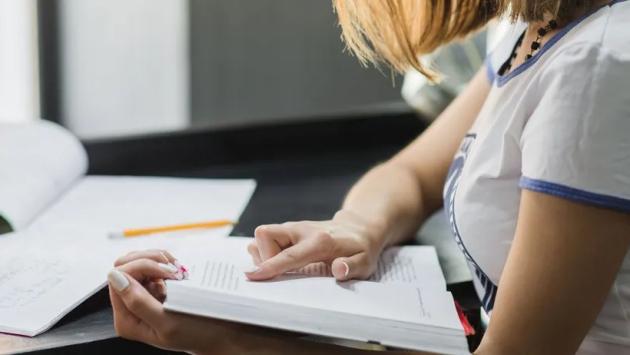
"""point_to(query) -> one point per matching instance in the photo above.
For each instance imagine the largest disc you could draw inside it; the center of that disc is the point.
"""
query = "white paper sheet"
(416, 265)
(38, 287)
(38, 162)
(63, 257)
(97, 205)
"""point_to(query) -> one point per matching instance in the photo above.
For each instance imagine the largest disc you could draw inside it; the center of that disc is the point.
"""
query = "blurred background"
(121, 67)
(129, 67)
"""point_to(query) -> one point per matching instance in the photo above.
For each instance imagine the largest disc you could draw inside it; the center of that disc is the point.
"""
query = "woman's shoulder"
(600, 39)
(593, 52)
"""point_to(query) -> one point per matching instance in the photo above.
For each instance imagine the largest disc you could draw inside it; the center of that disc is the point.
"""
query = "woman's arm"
(403, 191)
(388, 204)
(560, 268)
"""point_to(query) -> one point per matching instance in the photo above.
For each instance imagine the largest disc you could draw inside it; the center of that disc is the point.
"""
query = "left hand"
(139, 314)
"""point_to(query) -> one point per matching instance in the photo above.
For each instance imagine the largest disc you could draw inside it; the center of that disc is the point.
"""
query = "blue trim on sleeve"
(490, 70)
(574, 194)
(503, 79)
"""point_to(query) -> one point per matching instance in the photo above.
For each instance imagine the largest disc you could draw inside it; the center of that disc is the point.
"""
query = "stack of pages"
(405, 304)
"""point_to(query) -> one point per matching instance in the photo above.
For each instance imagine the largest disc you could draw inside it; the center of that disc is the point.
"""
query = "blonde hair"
(397, 32)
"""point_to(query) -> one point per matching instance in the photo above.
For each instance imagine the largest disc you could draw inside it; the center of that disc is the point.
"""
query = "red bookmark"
(468, 329)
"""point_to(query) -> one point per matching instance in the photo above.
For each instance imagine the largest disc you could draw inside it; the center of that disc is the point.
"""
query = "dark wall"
(274, 58)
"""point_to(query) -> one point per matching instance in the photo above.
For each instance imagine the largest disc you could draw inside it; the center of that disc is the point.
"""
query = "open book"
(405, 303)
(58, 252)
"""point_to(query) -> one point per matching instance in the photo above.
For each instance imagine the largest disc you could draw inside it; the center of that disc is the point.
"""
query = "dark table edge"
(247, 143)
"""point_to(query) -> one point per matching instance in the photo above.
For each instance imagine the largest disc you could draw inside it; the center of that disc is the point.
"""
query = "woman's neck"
(531, 34)
(579, 11)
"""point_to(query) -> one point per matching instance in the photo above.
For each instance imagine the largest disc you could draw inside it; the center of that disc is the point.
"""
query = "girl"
(531, 163)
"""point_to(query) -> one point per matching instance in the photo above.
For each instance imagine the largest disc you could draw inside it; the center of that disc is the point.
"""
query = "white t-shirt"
(558, 124)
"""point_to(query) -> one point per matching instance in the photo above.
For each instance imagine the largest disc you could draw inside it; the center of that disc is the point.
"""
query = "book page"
(416, 268)
(416, 265)
(408, 265)
(38, 162)
(414, 303)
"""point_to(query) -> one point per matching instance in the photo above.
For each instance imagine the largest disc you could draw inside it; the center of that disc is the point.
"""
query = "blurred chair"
(456, 63)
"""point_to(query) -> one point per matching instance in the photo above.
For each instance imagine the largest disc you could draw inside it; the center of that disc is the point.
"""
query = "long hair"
(397, 32)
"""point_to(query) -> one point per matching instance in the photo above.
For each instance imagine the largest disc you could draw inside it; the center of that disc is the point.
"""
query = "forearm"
(395, 197)
(389, 199)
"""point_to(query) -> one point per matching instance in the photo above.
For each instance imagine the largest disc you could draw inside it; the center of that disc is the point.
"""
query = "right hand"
(348, 243)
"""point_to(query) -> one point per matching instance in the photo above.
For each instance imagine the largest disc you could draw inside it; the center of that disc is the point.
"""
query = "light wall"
(124, 66)
(19, 74)
(121, 67)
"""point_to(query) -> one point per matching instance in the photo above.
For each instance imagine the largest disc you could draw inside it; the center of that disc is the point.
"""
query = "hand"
(348, 243)
(137, 290)
(145, 260)
(139, 315)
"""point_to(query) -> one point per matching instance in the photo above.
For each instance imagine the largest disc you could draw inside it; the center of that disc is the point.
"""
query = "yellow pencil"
(137, 232)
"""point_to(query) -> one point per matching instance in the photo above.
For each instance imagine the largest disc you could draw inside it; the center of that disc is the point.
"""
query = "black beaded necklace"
(534, 47)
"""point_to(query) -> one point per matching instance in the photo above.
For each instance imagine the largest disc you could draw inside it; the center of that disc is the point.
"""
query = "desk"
(303, 172)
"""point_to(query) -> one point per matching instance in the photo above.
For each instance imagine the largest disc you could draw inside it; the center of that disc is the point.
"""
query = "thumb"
(357, 266)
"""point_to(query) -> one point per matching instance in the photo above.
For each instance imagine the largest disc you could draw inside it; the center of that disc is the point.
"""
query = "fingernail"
(170, 268)
(345, 264)
(179, 266)
(182, 271)
(252, 270)
(118, 281)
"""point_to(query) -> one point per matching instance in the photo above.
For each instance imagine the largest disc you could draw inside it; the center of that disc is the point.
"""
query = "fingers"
(160, 256)
(252, 249)
(135, 298)
(271, 239)
(147, 269)
(279, 248)
(157, 289)
(126, 324)
(358, 266)
(318, 247)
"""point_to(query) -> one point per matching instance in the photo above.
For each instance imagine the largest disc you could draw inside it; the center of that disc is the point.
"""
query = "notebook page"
(39, 286)
(98, 205)
(64, 256)
(38, 162)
